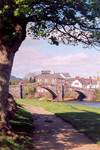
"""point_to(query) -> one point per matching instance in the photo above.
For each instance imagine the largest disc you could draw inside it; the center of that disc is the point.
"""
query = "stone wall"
(15, 91)
(57, 91)
(19, 91)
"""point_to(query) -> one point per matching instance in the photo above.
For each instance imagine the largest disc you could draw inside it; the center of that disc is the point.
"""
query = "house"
(77, 83)
(46, 77)
(84, 83)
(51, 78)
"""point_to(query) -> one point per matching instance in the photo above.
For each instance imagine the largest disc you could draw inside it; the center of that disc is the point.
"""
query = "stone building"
(51, 78)
(46, 77)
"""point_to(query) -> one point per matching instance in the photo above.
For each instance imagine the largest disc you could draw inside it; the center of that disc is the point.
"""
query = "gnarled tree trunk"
(6, 61)
(7, 52)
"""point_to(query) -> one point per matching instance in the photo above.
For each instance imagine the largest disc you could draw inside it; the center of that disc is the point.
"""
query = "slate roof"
(52, 76)
(64, 76)
(87, 81)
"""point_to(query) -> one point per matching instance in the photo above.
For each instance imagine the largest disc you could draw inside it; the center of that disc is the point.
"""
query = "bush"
(97, 95)
(30, 91)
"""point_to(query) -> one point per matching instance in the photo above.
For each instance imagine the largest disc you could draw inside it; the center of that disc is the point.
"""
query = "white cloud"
(97, 59)
(33, 58)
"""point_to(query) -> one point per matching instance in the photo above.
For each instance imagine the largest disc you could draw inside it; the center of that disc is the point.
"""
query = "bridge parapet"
(89, 94)
(58, 91)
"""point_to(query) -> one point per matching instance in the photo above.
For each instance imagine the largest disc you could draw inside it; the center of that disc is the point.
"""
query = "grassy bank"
(22, 125)
(85, 118)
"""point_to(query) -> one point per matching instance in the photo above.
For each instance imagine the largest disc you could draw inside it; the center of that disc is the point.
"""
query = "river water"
(93, 103)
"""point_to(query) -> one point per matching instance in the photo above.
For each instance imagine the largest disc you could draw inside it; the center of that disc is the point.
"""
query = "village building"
(84, 82)
(77, 83)
(46, 77)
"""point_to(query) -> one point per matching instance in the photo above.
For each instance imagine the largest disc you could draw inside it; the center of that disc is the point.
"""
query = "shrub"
(30, 91)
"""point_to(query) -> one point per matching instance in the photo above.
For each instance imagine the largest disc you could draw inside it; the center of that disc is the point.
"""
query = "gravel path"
(52, 133)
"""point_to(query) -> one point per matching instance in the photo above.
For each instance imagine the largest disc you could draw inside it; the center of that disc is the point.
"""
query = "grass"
(22, 125)
(85, 118)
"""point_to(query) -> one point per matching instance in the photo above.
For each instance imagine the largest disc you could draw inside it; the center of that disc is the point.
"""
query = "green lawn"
(85, 118)
(22, 124)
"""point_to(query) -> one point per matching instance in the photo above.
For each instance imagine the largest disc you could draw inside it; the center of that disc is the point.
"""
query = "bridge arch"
(81, 95)
(54, 96)
(50, 88)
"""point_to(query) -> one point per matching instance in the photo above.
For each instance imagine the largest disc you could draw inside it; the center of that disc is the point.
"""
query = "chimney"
(45, 72)
(90, 80)
(77, 77)
(82, 78)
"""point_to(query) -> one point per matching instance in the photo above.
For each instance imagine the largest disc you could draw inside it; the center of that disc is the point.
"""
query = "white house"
(77, 83)
(84, 83)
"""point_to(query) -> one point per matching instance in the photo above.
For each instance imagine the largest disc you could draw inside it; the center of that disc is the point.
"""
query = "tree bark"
(8, 48)
(6, 61)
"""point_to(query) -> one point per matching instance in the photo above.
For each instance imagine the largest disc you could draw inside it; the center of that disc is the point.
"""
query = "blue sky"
(37, 55)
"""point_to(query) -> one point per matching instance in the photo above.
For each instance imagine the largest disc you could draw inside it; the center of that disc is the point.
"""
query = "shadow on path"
(52, 133)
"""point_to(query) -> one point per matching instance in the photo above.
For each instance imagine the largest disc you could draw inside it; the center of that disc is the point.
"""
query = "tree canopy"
(67, 21)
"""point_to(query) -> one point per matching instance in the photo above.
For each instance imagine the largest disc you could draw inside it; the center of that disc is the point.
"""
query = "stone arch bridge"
(58, 91)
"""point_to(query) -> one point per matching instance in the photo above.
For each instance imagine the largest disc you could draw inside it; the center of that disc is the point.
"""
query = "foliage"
(32, 80)
(22, 122)
(14, 82)
(30, 90)
(97, 94)
(66, 21)
(97, 77)
(85, 118)
(11, 144)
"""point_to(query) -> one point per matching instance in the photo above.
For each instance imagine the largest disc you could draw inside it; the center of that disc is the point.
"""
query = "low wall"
(19, 91)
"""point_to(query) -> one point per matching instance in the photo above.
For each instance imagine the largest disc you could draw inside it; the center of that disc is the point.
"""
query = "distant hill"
(13, 78)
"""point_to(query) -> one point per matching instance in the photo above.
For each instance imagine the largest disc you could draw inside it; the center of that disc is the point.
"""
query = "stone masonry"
(58, 91)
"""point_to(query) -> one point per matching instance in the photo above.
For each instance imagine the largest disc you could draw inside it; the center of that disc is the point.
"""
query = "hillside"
(13, 78)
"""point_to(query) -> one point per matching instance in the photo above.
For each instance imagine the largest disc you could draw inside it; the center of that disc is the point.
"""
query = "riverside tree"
(66, 21)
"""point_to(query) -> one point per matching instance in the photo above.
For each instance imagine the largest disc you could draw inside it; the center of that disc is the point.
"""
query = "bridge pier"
(59, 93)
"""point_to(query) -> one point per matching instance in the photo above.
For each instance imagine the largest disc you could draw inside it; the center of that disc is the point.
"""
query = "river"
(91, 103)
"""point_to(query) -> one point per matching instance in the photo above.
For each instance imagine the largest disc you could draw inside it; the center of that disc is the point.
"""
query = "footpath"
(52, 133)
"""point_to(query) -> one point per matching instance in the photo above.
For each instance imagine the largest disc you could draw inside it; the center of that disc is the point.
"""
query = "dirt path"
(52, 133)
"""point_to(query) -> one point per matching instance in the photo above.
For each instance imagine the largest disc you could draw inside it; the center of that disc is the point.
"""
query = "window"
(46, 80)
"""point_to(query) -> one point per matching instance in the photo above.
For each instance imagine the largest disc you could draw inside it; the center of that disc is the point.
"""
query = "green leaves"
(0, 11)
(17, 12)
(57, 20)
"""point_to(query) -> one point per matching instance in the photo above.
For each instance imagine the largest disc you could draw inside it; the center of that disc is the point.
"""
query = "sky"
(36, 55)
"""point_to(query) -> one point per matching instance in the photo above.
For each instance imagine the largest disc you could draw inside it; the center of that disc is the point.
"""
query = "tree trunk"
(8, 48)
(6, 61)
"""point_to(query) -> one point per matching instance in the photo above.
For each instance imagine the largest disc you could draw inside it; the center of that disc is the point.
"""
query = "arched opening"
(45, 93)
(81, 95)
(54, 96)
(71, 95)
(74, 95)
